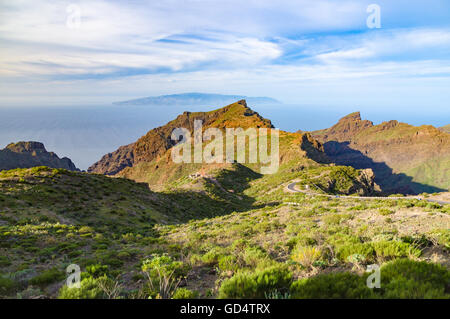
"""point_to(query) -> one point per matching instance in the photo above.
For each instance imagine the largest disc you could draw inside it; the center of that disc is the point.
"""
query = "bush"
(96, 271)
(4, 262)
(212, 256)
(306, 256)
(362, 249)
(254, 257)
(163, 274)
(346, 246)
(385, 211)
(89, 289)
(47, 277)
(336, 219)
(248, 285)
(441, 237)
(392, 249)
(85, 230)
(228, 263)
(163, 265)
(7, 285)
(404, 278)
(330, 286)
(401, 278)
(183, 293)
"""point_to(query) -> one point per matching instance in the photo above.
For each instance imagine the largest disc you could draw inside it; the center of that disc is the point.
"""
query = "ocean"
(86, 133)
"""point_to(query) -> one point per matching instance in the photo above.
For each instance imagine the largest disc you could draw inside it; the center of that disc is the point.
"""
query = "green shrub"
(85, 230)
(163, 265)
(7, 285)
(4, 261)
(306, 255)
(385, 211)
(330, 286)
(345, 252)
(163, 274)
(392, 249)
(183, 293)
(336, 219)
(89, 289)
(248, 285)
(441, 237)
(254, 257)
(96, 271)
(228, 263)
(401, 278)
(47, 277)
(404, 278)
(212, 256)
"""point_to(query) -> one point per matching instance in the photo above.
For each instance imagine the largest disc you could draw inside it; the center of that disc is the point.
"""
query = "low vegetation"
(237, 235)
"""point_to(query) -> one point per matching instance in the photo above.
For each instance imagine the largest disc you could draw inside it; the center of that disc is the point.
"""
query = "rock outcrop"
(31, 154)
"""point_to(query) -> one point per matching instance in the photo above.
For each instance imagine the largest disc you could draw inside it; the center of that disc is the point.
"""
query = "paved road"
(291, 188)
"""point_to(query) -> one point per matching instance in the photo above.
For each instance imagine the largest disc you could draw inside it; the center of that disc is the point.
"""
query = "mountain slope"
(31, 154)
(157, 141)
(405, 158)
(445, 128)
(51, 218)
(149, 159)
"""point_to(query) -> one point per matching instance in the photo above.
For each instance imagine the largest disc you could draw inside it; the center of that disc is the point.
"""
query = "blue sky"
(316, 52)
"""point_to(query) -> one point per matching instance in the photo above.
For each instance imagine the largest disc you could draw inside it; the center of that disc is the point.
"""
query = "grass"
(255, 246)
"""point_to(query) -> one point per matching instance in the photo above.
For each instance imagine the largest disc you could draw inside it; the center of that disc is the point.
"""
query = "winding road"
(292, 189)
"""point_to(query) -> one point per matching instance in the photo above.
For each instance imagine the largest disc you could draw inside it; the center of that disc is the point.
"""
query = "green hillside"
(119, 233)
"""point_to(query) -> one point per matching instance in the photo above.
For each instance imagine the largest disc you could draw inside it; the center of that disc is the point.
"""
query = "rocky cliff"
(31, 154)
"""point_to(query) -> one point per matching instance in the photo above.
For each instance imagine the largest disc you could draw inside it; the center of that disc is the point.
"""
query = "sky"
(315, 52)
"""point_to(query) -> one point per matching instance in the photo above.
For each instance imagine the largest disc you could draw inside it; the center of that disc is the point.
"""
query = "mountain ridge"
(158, 140)
(403, 156)
(31, 154)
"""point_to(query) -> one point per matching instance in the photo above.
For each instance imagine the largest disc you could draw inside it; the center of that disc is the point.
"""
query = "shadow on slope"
(390, 182)
(223, 194)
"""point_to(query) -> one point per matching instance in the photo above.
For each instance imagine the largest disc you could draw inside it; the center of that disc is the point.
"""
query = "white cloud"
(207, 45)
(113, 36)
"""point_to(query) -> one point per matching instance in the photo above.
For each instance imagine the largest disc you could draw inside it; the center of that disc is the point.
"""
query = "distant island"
(197, 99)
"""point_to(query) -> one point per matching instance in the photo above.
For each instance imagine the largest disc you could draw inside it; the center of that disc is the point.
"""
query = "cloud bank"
(318, 52)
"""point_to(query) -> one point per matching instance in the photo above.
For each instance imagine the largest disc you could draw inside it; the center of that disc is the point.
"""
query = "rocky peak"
(355, 116)
(347, 127)
(242, 102)
(157, 141)
(26, 147)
